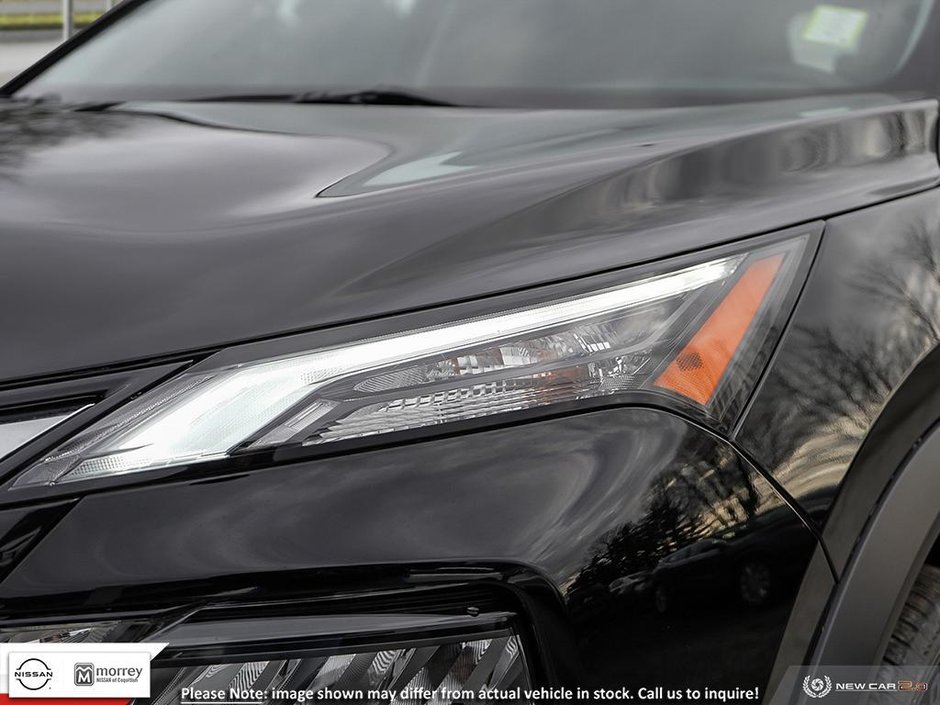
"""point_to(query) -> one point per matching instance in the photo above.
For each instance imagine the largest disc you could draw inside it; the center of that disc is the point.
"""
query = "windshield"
(567, 53)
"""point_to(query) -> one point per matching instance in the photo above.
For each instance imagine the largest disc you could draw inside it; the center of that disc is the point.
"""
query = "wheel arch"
(883, 525)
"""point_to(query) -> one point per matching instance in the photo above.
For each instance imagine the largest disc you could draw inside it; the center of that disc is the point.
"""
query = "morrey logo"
(33, 674)
(69, 671)
(817, 687)
(84, 674)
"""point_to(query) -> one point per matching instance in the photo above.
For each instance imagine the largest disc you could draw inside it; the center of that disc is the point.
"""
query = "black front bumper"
(534, 520)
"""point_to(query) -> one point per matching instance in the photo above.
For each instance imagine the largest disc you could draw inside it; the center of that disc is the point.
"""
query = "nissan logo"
(33, 674)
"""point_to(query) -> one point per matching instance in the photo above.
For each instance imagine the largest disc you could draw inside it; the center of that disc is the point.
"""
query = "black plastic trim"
(872, 592)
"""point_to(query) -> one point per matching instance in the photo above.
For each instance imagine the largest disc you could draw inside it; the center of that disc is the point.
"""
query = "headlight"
(80, 633)
(679, 334)
(382, 657)
(440, 673)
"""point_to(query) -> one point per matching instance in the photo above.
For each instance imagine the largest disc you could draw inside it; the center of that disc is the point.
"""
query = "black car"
(363, 345)
(752, 564)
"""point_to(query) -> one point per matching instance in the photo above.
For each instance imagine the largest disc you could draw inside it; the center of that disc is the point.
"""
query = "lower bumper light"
(441, 673)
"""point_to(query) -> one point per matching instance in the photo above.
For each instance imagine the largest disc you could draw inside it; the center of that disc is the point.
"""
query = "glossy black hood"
(156, 229)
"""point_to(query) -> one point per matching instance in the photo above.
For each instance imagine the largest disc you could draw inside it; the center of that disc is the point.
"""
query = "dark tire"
(916, 637)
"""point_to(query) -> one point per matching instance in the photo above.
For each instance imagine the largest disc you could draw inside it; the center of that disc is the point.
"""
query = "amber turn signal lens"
(699, 367)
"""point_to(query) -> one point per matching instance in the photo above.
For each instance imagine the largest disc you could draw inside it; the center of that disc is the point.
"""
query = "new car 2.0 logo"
(33, 674)
(817, 687)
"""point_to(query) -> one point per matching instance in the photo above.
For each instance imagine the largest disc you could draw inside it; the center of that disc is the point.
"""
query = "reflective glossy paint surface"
(635, 546)
(869, 314)
(171, 227)
(711, 554)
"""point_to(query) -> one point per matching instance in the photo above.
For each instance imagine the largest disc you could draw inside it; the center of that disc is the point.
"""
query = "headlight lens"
(402, 657)
(413, 673)
(676, 333)
(79, 633)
